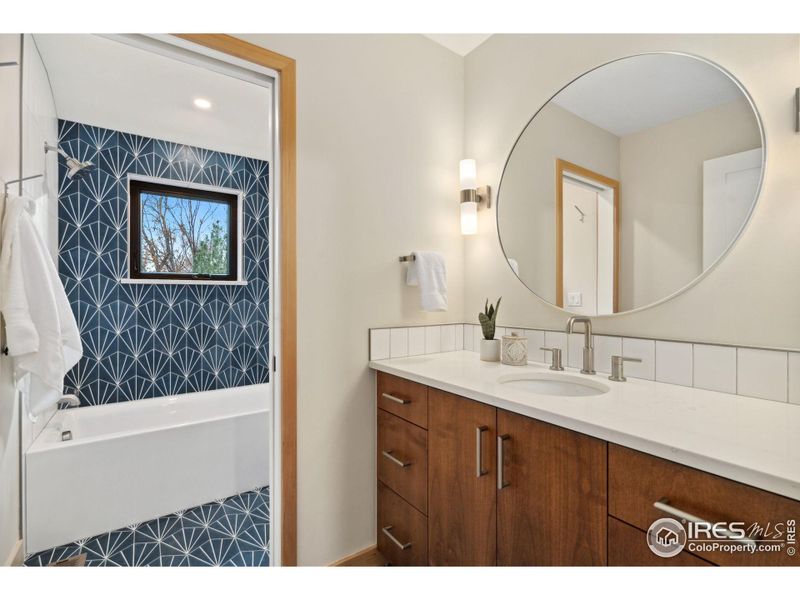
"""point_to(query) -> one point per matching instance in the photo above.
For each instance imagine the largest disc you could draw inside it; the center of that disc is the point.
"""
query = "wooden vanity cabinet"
(462, 481)
(637, 480)
(467, 484)
(552, 508)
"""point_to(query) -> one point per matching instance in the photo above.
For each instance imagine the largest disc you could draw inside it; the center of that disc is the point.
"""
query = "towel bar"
(409, 258)
(13, 181)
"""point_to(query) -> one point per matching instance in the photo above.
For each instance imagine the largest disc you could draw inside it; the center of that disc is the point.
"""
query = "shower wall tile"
(148, 340)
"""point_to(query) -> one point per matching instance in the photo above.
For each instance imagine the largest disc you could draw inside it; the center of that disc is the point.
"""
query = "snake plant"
(488, 318)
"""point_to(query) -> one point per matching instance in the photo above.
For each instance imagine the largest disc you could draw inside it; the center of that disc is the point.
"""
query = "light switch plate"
(574, 299)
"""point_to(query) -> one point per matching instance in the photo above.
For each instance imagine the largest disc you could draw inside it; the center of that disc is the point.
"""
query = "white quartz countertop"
(749, 440)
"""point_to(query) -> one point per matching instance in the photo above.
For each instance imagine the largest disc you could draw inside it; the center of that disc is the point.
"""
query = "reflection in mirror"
(630, 183)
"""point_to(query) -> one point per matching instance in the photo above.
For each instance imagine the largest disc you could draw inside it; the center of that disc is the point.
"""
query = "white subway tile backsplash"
(416, 341)
(643, 349)
(448, 338)
(535, 344)
(674, 363)
(399, 342)
(433, 339)
(459, 333)
(606, 346)
(574, 357)
(715, 368)
(762, 374)
(555, 339)
(379, 344)
(469, 339)
(794, 377)
(477, 336)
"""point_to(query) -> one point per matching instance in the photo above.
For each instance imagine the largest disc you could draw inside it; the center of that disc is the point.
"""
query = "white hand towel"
(428, 271)
(42, 334)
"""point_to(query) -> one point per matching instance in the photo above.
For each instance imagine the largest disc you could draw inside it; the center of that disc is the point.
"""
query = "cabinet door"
(552, 508)
(462, 494)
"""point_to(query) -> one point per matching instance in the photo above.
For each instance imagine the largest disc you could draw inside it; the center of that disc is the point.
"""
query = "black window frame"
(138, 186)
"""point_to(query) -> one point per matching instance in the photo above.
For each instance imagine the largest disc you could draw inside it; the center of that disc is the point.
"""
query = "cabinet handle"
(479, 470)
(501, 483)
(394, 459)
(664, 506)
(396, 399)
(395, 541)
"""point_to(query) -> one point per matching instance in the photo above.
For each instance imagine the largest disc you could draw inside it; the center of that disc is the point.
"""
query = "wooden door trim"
(286, 68)
(561, 167)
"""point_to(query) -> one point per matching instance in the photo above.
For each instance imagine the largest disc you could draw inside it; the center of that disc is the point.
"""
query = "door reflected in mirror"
(630, 183)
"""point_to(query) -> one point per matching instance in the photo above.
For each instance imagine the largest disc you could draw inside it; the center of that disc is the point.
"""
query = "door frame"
(563, 166)
(287, 271)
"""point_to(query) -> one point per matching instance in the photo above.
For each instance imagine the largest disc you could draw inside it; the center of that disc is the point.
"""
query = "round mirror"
(630, 183)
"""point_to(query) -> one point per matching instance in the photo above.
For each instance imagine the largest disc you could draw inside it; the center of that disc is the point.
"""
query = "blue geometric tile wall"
(149, 340)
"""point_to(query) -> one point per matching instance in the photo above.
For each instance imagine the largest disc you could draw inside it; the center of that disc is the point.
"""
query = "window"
(182, 233)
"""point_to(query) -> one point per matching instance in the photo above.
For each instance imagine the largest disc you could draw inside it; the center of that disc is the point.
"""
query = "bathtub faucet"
(68, 401)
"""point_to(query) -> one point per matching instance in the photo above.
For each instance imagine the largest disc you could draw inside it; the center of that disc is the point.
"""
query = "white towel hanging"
(42, 334)
(428, 271)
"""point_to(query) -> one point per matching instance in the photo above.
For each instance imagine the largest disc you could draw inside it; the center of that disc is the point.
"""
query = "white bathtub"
(133, 461)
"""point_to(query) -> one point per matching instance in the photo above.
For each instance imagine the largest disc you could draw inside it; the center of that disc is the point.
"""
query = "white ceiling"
(460, 43)
(114, 85)
(645, 91)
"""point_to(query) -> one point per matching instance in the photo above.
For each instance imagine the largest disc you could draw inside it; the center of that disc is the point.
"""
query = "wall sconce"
(471, 196)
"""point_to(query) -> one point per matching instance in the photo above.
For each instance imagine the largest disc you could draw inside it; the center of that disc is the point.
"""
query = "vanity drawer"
(403, 398)
(403, 459)
(627, 547)
(402, 530)
(637, 480)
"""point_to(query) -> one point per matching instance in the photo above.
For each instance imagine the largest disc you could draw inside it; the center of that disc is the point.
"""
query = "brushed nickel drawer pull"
(664, 506)
(395, 399)
(395, 541)
(501, 483)
(388, 454)
(479, 470)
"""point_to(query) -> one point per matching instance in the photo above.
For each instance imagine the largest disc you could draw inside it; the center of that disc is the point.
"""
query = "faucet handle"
(556, 364)
(618, 367)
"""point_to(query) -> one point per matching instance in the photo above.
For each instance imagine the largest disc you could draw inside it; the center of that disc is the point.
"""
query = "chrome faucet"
(588, 344)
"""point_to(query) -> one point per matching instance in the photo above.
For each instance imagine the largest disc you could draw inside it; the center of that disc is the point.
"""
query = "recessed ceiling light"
(202, 103)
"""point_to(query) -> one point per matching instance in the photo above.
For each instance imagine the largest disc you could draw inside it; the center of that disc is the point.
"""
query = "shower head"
(76, 168)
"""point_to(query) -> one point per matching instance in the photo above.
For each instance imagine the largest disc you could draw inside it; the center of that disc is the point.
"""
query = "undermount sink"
(553, 384)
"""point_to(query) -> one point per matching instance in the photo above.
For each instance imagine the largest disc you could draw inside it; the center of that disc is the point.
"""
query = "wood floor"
(369, 557)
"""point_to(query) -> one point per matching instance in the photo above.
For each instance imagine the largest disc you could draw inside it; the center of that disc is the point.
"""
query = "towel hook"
(408, 258)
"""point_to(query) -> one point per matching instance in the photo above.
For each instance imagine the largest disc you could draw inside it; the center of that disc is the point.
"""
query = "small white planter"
(490, 350)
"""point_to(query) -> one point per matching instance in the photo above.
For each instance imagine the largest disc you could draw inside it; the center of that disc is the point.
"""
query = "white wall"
(752, 297)
(661, 172)
(379, 139)
(10, 51)
(527, 219)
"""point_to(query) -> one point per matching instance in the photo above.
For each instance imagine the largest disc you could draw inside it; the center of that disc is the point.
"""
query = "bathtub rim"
(39, 446)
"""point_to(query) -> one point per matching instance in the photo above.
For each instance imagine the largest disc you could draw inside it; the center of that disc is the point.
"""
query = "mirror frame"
(737, 237)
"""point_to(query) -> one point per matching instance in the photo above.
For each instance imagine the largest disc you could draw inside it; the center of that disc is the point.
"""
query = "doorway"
(587, 211)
